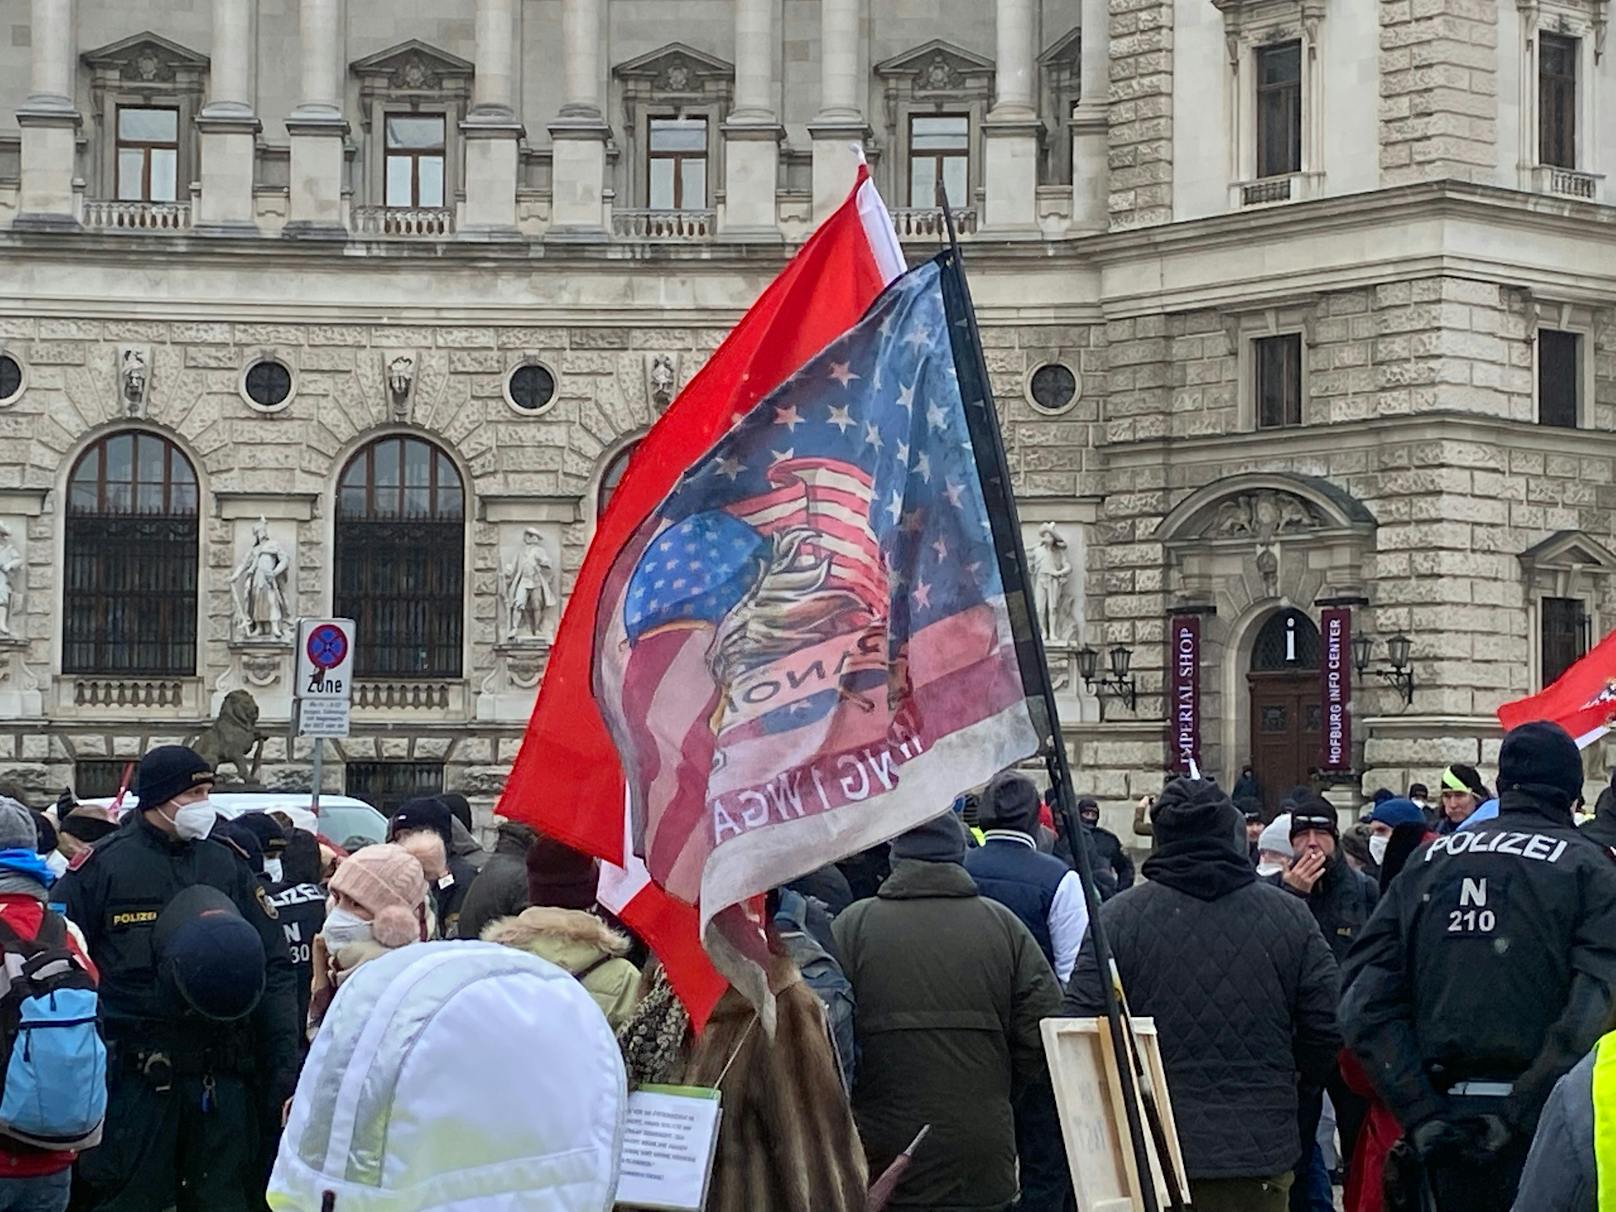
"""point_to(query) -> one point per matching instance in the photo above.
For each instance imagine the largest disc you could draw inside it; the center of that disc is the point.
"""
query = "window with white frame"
(412, 99)
(1275, 99)
(937, 97)
(676, 168)
(1560, 50)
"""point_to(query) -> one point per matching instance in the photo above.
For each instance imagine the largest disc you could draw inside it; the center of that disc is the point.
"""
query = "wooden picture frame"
(1094, 1127)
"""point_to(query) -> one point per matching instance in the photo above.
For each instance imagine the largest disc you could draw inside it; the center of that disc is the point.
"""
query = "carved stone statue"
(1052, 584)
(1233, 518)
(400, 378)
(259, 587)
(529, 593)
(1294, 514)
(10, 562)
(234, 736)
(661, 378)
(1264, 514)
(132, 374)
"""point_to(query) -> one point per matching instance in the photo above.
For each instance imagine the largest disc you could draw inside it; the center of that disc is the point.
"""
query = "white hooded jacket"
(456, 1075)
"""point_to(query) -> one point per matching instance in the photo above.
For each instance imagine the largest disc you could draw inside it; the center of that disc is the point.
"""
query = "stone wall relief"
(134, 378)
(12, 579)
(661, 378)
(263, 614)
(1264, 516)
(528, 595)
(398, 372)
(20, 689)
(258, 589)
(1056, 584)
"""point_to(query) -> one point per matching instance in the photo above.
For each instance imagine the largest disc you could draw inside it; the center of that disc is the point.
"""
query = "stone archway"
(1240, 551)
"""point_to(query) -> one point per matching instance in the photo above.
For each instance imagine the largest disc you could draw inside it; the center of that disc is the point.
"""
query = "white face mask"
(1377, 847)
(343, 926)
(1267, 869)
(193, 821)
(272, 868)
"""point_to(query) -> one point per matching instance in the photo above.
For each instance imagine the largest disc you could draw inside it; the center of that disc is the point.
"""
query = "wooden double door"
(1287, 731)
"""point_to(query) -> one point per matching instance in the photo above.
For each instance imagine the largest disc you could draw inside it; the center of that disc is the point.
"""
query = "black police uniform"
(185, 1098)
(301, 910)
(1486, 972)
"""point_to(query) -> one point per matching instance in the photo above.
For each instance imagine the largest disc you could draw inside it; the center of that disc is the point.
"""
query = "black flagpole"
(993, 467)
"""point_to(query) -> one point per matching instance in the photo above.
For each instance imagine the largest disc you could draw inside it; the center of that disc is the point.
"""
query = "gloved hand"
(1438, 1139)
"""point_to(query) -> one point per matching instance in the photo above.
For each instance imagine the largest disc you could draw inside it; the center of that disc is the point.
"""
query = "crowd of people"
(1414, 1006)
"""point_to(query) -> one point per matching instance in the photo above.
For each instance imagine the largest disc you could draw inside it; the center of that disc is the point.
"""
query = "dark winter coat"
(1112, 866)
(1434, 996)
(449, 895)
(1602, 828)
(500, 889)
(1561, 1172)
(1243, 989)
(951, 988)
(1340, 902)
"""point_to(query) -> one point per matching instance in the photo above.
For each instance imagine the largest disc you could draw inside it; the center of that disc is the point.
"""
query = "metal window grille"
(400, 559)
(98, 778)
(1279, 109)
(385, 786)
(129, 602)
(1288, 641)
(1564, 641)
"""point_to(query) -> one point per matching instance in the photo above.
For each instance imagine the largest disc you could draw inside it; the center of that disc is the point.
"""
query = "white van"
(341, 816)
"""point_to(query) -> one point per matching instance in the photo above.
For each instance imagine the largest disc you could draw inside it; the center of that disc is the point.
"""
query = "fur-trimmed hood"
(550, 932)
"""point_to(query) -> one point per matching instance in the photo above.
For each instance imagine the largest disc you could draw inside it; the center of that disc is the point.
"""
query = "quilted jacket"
(1243, 990)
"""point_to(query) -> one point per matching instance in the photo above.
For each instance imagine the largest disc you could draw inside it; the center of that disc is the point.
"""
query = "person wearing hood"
(1113, 869)
(558, 926)
(1242, 988)
(377, 905)
(951, 988)
(32, 1179)
(463, 843)
(500, 889)
(1274, 853)
(1486, 973)
(437, 1125)
(161, 1063)
(425, 827)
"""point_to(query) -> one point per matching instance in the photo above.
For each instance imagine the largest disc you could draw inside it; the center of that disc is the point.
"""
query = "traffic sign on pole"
(325, 649)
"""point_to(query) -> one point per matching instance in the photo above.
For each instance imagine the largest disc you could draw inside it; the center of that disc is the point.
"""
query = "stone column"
(227, 124)
(50, 120)
(753, 132)
(1010, 134)
(578, 135)
(491, 128)
(840, 120)
(317, 127)
(1090, 122)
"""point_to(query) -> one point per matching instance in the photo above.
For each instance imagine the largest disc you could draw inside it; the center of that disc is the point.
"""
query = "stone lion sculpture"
(233, 737)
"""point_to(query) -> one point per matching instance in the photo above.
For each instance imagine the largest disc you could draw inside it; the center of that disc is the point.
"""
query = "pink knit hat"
(387, 882)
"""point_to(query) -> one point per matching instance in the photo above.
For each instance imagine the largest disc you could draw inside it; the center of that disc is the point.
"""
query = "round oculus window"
(1053, 387)
(268, 383)
(531, 387)
(10, 377)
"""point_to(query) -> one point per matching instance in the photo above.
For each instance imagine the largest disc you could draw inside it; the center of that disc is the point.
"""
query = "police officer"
(299, 902)
(186, 1091)
(1487, 970)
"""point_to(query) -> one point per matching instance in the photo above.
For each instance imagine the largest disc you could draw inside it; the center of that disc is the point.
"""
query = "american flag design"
(805, 650)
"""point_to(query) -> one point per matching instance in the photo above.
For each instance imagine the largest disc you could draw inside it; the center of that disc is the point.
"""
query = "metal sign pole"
(319, 762)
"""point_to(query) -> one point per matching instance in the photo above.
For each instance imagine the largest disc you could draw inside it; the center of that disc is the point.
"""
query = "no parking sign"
(324, 684)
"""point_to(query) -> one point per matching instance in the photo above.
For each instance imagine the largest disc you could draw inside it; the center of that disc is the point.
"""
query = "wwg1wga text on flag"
(1582, 700)
(567, 781)
(806, 650)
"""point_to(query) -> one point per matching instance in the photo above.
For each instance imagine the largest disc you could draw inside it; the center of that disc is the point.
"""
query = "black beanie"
(1010, 802)
(1312, 811)
(426, 812)
(939, 840)
(1193, 808)
(1541, 757)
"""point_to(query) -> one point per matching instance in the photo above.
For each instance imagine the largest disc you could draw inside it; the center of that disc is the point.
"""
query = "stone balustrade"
(405, 223)
(137, 216)
(671, 226)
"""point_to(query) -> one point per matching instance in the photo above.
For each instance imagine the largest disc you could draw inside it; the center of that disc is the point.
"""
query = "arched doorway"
(1287, 717)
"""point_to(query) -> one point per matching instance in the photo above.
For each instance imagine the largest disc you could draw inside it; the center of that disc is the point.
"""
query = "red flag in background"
(1582, 700)
(567, 780)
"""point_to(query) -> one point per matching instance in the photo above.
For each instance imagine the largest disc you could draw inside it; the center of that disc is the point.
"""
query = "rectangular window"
(1279, 109)
(677, 164)
(1565, 635)
(1557, 100)
(100, 778)
(414, 160)
(939, 149)
(386, 785)
(1558, 378)
(1279, 380)
(148, 147)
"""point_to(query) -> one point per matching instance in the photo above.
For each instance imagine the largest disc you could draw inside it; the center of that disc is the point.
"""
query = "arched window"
(1288, 641)
(400, 559)
(129, 600)
(612, 477)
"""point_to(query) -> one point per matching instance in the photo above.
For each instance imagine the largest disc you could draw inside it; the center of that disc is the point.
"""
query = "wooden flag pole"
(993, 466)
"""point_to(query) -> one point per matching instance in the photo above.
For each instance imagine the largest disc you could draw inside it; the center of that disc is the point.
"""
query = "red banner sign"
(1335, 686)
(1184, 702)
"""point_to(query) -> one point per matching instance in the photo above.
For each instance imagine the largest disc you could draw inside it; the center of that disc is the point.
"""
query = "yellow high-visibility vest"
(1605, 1121)
(982, 838)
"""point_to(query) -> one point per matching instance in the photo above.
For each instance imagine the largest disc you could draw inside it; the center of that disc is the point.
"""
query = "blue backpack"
(55, 1065)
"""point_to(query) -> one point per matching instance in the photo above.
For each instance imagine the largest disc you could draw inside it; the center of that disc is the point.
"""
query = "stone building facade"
(340, 290)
